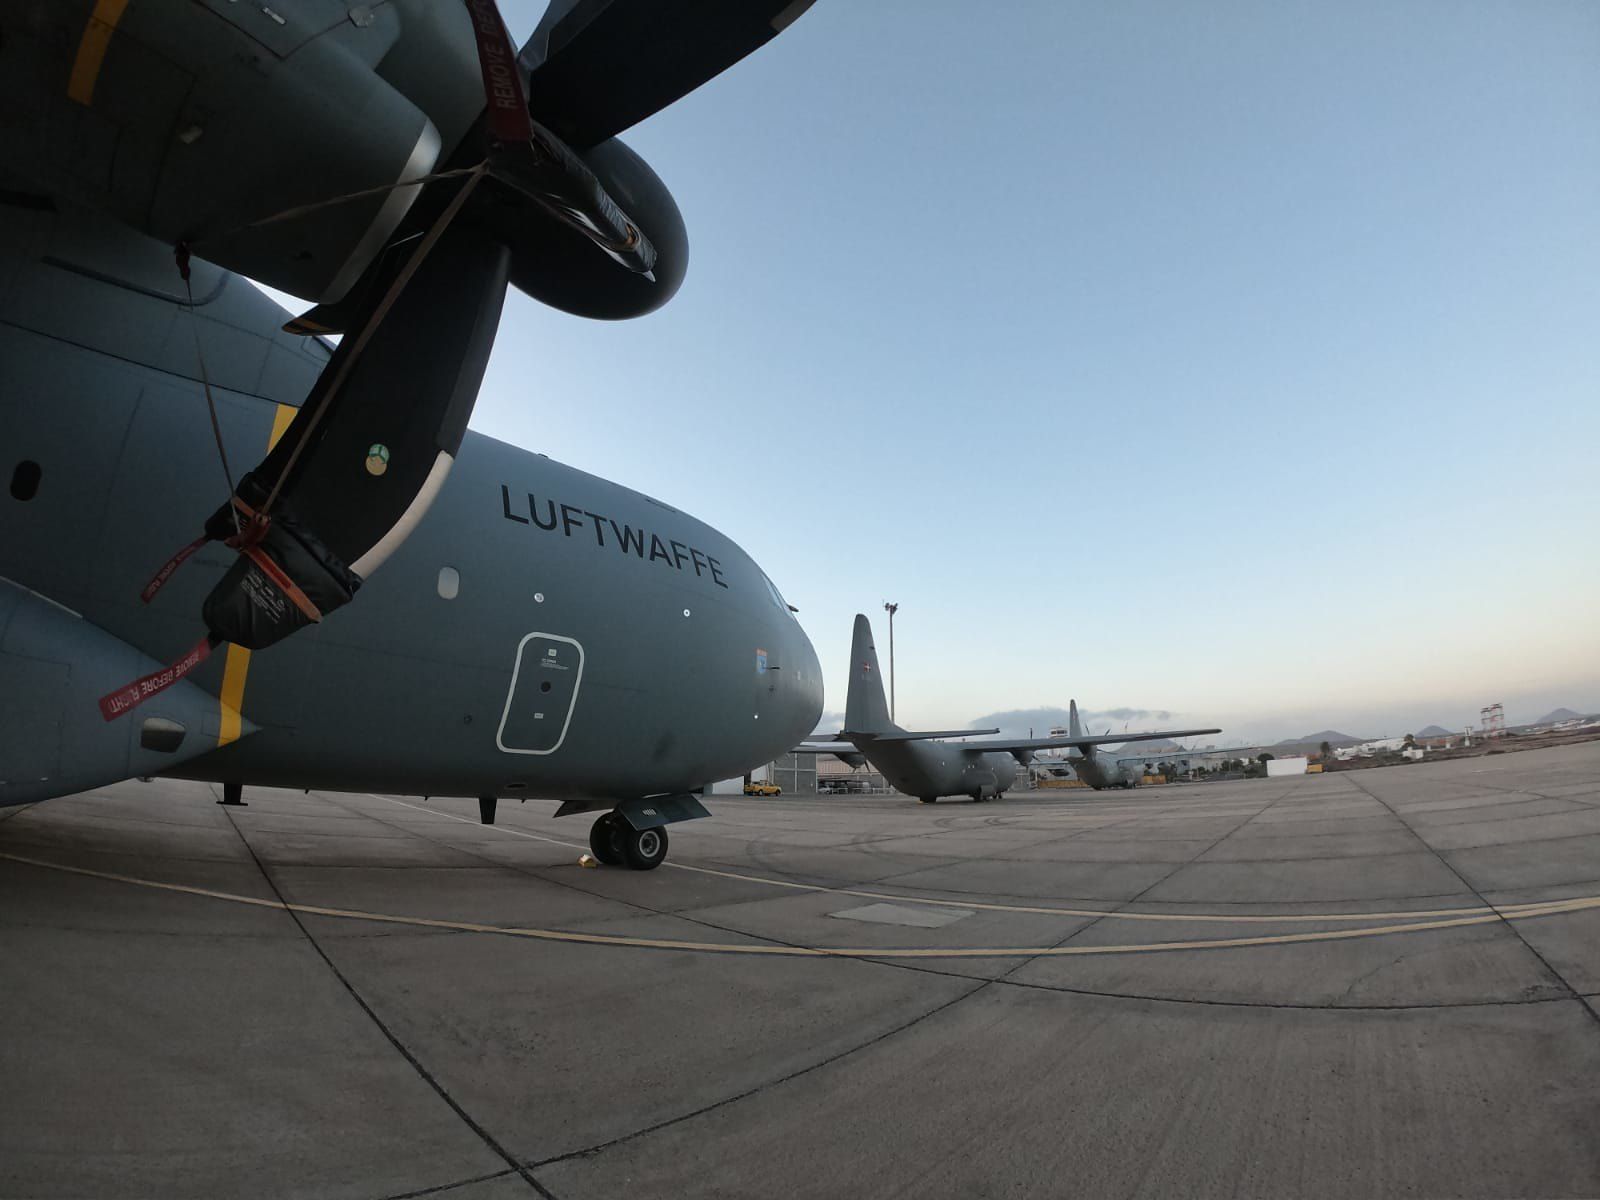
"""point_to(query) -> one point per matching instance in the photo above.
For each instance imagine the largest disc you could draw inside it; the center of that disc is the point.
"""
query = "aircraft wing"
(1000, 745)
(898, 735)
(1013, 746)
(825, 748)
(929, 735)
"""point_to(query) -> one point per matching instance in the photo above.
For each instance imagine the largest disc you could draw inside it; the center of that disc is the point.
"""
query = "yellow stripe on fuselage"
(237, 668)
(92, 49)
(233, 677)
(280, 422)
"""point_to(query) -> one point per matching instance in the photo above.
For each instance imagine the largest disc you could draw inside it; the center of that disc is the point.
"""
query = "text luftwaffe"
(651, 547)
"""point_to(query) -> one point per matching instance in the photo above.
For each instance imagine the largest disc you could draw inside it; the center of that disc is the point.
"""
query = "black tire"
(605, 839)
(927, 799)
(644, 848)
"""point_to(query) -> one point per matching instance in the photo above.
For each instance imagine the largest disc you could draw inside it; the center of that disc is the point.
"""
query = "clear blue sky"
(1237, 359)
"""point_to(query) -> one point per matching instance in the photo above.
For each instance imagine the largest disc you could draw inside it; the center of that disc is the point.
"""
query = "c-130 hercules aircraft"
(1104, 771)
(535, 630)
(929, 765)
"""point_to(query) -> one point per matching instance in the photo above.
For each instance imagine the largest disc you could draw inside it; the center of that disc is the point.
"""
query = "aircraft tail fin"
(865, 709)
(1074, 726)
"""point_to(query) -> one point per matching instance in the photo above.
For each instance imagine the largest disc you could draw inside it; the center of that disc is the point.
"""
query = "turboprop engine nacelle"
(283, 145)
(557, 265)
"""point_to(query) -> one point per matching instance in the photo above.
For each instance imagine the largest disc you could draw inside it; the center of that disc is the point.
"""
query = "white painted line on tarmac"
(1513, 912)
(989, 906)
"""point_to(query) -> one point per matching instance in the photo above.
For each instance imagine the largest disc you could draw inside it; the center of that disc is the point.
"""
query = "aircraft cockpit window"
(25, 480)
(777, 596)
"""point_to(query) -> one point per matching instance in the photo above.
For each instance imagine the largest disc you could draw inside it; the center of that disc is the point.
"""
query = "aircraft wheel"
(644, 848)
(927, 799)
(605, 839)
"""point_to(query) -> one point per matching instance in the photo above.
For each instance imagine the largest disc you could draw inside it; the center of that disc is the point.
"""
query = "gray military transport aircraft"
(929, 765)
(1102, 771)
(536, 630)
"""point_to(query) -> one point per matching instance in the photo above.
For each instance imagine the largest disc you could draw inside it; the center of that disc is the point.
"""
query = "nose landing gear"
(634, 834)
(605, 839)
(644, 848)
(615, 843)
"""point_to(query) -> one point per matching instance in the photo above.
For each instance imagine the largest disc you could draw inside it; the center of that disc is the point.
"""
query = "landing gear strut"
(233, 795)
(634, 833)
(615, 842)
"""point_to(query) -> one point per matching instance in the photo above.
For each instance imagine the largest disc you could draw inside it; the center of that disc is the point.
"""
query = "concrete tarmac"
(1373, 984)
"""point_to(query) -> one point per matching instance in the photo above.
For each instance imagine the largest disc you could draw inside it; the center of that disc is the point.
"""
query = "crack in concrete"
(415, 1063)
(1515, 931)
(443, 1188)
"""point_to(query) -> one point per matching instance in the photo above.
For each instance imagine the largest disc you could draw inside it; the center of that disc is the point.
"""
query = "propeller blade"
(542, 167)
(598, 66)
(374, 465)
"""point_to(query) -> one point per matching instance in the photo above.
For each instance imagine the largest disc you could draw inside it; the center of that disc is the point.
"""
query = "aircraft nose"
(799, 705)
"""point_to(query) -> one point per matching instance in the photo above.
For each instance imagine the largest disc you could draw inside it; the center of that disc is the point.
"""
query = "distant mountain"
(1433, 731)
(1332, 736)
(1559, 715)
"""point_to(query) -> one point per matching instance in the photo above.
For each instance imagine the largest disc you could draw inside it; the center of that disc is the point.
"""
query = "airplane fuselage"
(542, 632)
(1098, 771)
(930, 769)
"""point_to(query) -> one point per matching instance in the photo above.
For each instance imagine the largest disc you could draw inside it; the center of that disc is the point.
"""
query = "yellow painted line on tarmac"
(989, 906)
(1514, 912)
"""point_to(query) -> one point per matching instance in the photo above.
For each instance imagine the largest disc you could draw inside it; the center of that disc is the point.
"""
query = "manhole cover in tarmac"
(896, 914)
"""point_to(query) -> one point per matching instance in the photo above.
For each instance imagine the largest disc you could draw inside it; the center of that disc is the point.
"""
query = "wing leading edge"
(998, 745)
(1107, 739)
